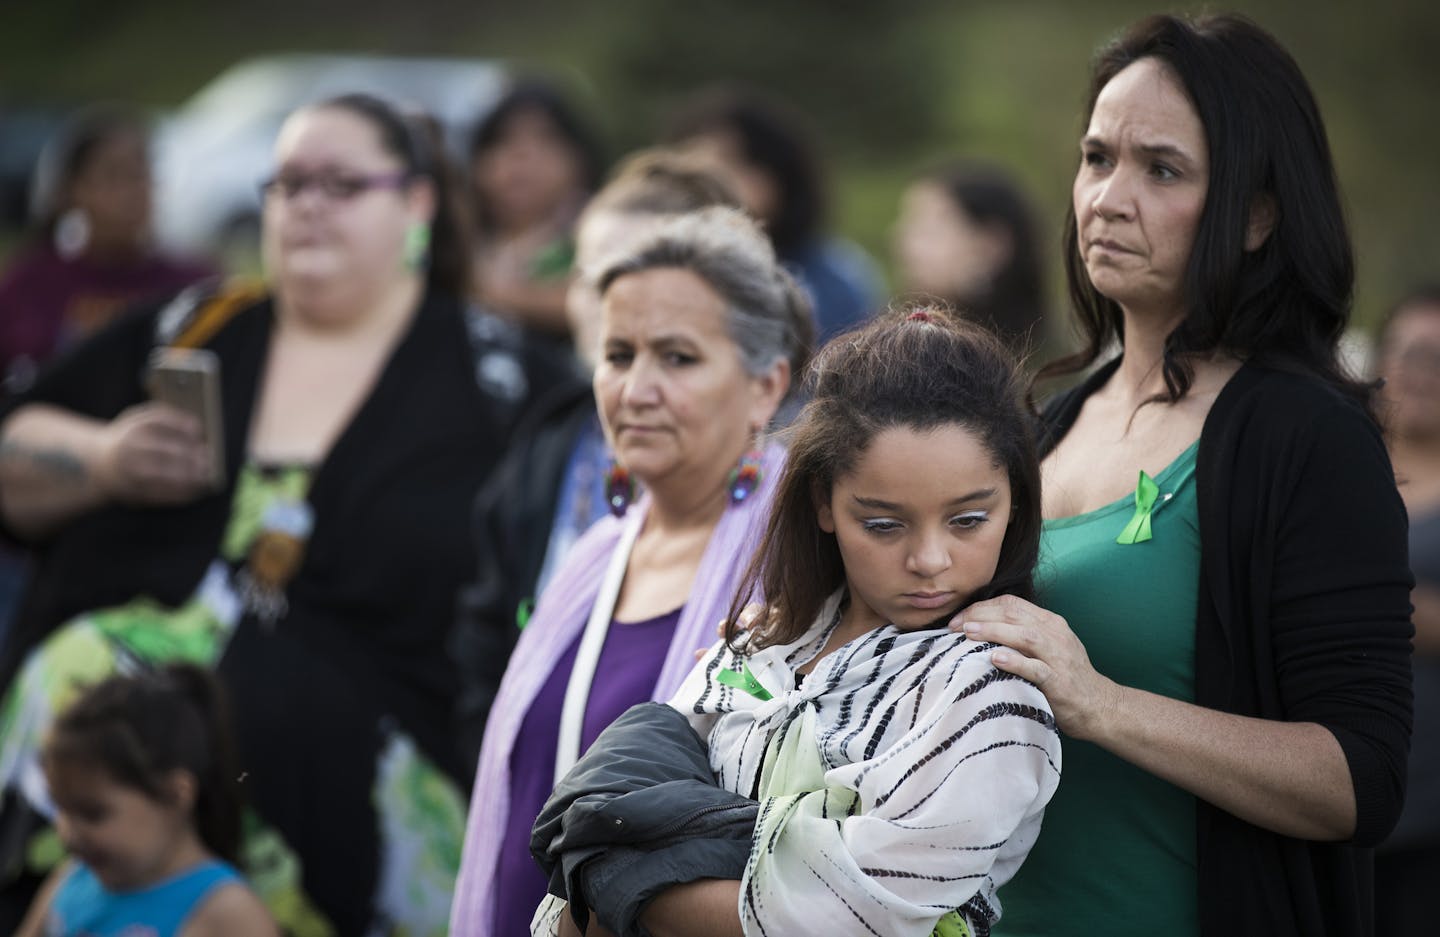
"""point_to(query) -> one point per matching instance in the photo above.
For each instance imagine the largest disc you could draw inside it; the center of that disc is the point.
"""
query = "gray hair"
(768, 315)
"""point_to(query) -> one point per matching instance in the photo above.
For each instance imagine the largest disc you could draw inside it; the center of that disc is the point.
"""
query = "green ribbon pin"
(744, 681)
(1138, 530)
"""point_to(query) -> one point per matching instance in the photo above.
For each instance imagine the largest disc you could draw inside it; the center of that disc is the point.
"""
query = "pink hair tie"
(919, 315)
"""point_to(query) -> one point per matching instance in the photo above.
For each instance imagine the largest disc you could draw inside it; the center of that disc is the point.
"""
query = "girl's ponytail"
(217, 795)
(140, 728)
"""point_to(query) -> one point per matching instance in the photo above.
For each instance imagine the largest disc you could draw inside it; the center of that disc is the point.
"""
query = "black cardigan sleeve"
(98, 378)
(1339, 605)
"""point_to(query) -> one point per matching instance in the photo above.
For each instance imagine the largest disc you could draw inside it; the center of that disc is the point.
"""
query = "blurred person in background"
(966, 235)
(141, 768)
(1407, 864)
(92, 254)
(1223, 618)
(89, 259)
(533, 164)
(701, 327)
(767, 157)
(362, 406)
(551, 485)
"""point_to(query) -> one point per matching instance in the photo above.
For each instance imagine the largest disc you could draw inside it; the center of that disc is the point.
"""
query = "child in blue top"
(141, 778)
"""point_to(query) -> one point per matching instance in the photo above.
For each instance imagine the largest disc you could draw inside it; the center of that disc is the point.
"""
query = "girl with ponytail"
(143, 785)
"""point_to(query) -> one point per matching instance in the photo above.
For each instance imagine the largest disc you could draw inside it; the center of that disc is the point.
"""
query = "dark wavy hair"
(1285, 304)
(139, 728)
(773, 138)
(918, 368)
(412, 139)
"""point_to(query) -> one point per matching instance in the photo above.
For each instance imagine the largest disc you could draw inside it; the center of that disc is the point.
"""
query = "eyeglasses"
(337, 187)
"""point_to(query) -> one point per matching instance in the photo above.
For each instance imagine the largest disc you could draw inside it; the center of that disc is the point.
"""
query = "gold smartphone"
(188, 379)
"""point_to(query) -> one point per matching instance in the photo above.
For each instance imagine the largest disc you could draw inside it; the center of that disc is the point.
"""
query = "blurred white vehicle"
(211, 154)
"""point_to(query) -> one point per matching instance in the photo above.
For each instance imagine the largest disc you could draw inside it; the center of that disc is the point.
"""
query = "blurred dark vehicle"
(25, 129)
(212, 153)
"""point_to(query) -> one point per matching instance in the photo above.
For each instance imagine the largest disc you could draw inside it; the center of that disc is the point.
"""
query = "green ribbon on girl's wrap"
(1147, 493)
(744, 681)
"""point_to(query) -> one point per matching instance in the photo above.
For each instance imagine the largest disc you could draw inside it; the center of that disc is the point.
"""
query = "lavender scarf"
(558, 620)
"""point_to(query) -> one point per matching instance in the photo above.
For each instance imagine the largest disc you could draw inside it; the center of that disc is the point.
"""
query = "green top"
(1116, 852)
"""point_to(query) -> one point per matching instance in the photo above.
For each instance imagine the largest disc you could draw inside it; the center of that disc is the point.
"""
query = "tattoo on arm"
(60, 464)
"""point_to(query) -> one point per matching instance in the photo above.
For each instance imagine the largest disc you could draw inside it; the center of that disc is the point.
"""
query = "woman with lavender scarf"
(701, 332)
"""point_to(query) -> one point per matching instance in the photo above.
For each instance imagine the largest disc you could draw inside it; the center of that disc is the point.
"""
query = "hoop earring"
(72, 233)
(745, 477)
(619, 488)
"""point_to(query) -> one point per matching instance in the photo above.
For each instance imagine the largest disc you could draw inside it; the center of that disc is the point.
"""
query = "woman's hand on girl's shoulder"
(1038, 645)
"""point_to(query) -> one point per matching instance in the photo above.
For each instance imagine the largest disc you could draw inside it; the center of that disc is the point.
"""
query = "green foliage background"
(890, 87)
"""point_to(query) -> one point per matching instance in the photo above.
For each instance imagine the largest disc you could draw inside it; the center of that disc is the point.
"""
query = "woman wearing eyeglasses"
(361, 407)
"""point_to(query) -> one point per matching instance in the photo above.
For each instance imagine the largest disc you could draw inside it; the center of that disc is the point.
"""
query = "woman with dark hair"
(966, 235)
(361, 405)
(92, 254)
(764, 154)
(533, 164)
(1407, 864)
(1225, 642)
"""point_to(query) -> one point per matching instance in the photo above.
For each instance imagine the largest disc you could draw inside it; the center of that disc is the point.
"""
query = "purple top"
(628, 667)
(48, 301)
(559, 618)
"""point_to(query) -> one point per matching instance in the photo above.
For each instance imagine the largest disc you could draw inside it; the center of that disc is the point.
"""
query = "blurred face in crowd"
(127, 838)
(941, 250)
(1410, 365)
(113, 189)
(678, 406)
(600, 234)
(755, 186)
(337, 211)
(530, 173)
(1140, 190)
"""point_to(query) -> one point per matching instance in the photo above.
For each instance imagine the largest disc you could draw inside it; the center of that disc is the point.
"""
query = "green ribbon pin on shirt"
(744, 681)
(1138, 530)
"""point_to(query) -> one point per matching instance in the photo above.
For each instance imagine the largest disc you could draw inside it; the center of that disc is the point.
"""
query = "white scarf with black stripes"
(905, 778)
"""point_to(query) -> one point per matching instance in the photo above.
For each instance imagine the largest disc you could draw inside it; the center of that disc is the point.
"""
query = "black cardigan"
(375, 595)
(513, 517)
(1303, 616)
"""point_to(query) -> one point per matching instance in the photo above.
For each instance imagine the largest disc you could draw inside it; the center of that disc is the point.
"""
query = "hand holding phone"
(188, 379)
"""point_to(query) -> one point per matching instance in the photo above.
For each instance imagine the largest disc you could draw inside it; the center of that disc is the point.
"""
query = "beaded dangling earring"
(619, 488)
(745, 477)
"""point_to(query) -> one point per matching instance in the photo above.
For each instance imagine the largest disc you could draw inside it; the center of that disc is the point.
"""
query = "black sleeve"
(101, 375)
(98, 378)
(486, 620)
(1340, 609)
